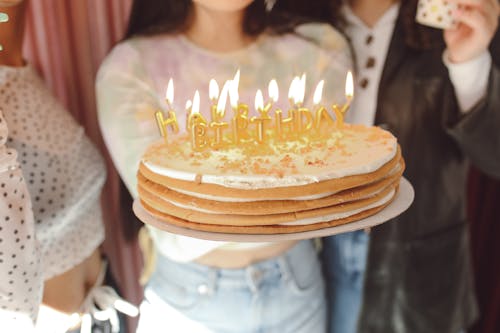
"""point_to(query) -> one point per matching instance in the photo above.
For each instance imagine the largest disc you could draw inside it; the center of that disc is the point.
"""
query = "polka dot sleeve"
(20, 269)
(64, 171)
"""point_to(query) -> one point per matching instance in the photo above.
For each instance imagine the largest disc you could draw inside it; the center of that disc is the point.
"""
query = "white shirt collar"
(388, 18)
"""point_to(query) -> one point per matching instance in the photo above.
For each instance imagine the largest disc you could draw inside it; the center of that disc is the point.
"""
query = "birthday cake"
(267, 174)
(281, 187)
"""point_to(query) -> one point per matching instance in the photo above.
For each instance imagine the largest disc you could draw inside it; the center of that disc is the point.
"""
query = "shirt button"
(363, 83)
(369, 39)
(370, 63)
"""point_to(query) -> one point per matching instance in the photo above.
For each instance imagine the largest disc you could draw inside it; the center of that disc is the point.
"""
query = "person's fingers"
(472, 18)
(486, 6)
(491, 8)
(471, 3)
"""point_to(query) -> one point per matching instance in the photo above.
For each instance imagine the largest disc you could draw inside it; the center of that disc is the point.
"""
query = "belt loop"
(250, 274)
(209, 284)
(213, 279)
(318, 244)
(284, 267)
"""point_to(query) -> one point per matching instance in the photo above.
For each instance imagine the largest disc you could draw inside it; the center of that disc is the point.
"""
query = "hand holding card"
(477, 23)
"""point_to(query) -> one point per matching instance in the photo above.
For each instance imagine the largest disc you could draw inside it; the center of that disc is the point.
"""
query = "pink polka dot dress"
(64, 175)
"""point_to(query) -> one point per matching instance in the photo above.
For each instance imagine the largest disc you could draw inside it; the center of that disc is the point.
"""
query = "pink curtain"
(67, 40)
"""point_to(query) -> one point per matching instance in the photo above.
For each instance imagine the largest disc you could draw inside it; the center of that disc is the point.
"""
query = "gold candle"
(195, 116)
(197, 125)
(322, 115)
(199, 140)
(213, 93)
(164, 124)
(349, 94)
(171, 121)
(240, 120)
(282, 123)
(240, 124)
(300, 113)
(217, 124)
(263, 118)
(218, 128)
(188, 106)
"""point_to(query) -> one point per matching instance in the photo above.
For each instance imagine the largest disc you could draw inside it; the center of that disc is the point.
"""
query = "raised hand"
(477, 24)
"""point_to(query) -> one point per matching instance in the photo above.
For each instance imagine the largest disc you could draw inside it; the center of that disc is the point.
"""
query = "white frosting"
(233, 199)
(359, 150)
(207, 211)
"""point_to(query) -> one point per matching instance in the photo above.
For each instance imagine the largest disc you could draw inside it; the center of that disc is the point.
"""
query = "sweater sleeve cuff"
(470, 79)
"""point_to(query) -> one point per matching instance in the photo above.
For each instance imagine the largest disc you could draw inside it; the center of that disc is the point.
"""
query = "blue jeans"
(344, 260)
(284, 295)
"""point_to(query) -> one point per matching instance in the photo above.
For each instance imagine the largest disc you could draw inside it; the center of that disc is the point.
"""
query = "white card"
(436, 13)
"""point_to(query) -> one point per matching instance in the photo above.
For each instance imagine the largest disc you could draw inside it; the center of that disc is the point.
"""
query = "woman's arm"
(467, 56)
(126, 106)
(476, 88)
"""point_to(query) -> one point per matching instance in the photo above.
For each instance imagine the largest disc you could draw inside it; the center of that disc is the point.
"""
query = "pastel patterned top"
(131, 86)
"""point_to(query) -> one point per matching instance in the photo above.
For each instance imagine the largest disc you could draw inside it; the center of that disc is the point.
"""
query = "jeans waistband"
(207, 278)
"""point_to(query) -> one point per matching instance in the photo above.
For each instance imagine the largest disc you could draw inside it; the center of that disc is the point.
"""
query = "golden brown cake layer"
(267, 206)
(266, 229)
(264, 219)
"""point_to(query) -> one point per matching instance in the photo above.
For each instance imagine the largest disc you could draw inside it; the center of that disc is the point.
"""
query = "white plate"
(403, 200)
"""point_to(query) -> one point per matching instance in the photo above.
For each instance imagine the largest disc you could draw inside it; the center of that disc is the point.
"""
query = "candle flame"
(221, 105)
(213, 90)
(293, 88)
(301, 92)
(236, 78)
(196, 103)
(318, 93)
(259, 101)
(170, 92)
(188, 104)
(349, 86)
(233, 93)
(273, 90)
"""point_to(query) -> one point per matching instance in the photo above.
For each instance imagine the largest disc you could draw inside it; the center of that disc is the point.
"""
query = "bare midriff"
(233, 259)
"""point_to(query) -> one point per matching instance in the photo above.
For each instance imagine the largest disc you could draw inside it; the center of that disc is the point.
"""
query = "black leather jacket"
(418, 277)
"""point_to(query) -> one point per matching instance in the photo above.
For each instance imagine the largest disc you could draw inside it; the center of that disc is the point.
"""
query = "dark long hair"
(416, 35)
(150, 17)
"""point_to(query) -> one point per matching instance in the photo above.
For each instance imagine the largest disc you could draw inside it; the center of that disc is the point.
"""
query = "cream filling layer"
(338, 216)
(306, 221)
(232, 199)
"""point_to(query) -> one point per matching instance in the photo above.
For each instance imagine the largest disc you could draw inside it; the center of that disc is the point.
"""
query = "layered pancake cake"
(278, 187)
